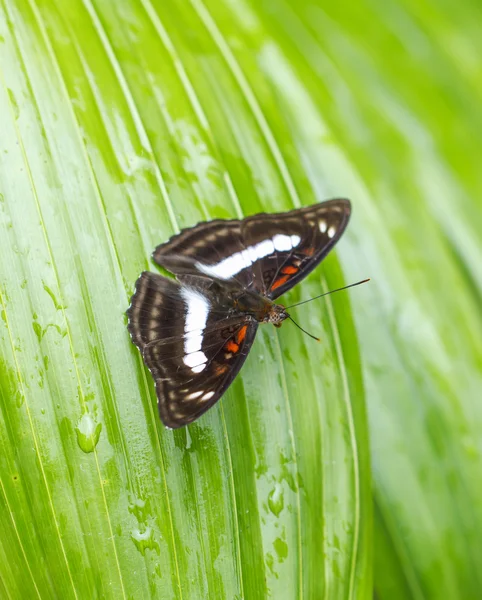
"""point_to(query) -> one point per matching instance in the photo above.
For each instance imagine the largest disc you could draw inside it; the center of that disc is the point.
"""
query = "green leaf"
(124, 122)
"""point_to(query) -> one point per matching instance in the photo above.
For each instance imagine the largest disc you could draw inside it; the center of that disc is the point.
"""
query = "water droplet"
(290, 480)
(188, 439)
(57, 304)
(276, 500)
(39, 332)
(260, 468)
(144, 540)
(139, 508)
(19, 398)
(13, 102)
(281, 549)
(270, 564)
(88, 433)
(136, 503)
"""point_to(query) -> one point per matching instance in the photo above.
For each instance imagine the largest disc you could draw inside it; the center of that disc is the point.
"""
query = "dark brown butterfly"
(195, 333)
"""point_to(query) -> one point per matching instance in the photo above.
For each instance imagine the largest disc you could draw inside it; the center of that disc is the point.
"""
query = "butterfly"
(194, 332)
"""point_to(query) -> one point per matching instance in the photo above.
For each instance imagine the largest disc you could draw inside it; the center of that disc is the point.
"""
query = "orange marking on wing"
(220, 369)
(309, 251)
(241, 334)
(289, 270)
(280, 281)
(232, 346)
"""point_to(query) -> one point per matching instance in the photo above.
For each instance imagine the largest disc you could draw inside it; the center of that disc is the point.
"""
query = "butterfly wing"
(193, 347)
(318, 229)
(267, 253)
(213, 249)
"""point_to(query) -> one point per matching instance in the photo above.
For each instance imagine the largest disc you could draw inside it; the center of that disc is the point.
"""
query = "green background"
(328, 470)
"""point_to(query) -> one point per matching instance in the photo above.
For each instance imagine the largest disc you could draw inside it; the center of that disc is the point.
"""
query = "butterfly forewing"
(267, 253)
(193, 347)
(214, 244)
(316, 230)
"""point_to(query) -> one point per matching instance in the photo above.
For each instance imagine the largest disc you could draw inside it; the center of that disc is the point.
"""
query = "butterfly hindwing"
(193, 347)
(267, 253)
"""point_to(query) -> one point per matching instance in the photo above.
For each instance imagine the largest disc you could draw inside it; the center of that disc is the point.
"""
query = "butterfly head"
(276, 315)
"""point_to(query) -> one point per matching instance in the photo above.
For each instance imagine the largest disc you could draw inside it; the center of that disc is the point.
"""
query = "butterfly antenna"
(326, 294)
(303, 330)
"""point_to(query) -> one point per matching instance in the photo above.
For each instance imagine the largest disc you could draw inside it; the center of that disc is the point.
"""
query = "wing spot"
(228, 355)
(289, 270)
(213, 236)
(231, 346)
(195, 360)
(331, 231)
(280, 281)
(207, 396)
(194, 395)
(282, 243)
(241, 334)
(322, 225)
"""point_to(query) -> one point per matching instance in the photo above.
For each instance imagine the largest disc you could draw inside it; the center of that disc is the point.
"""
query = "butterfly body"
(260, 307)
(195, 332)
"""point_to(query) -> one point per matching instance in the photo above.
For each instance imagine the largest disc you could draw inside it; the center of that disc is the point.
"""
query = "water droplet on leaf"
(144, 540)
(88, 433)
(281, 549)
(276, 500)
